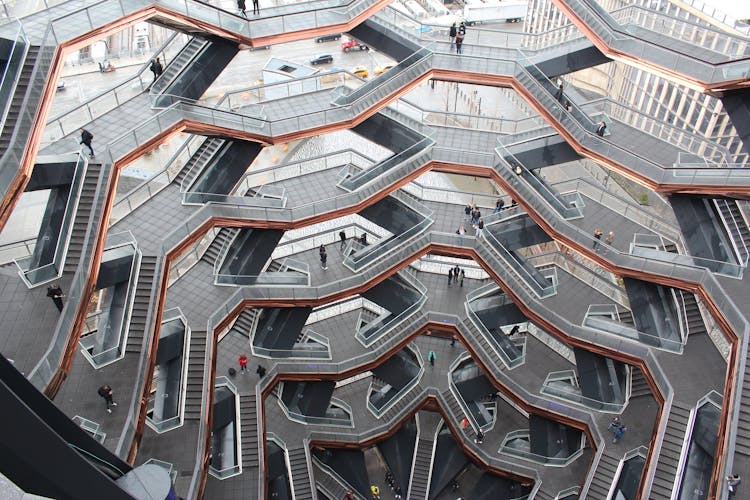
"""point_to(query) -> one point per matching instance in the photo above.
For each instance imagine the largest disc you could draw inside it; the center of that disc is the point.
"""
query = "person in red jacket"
(242, 360)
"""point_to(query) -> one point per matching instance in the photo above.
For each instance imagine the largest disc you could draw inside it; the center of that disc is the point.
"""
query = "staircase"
(742, 442)
(457, 413)
(694, 317)
(626, 317)
(735, 223)
(479, 340)
(18, 96)
(603, 476)
(246, 321)
(419, 484)
(197, 162)
(178, 64)
(300, 474)
(249, 430)
(331, 486)
(194, 388)
(543, 495)
(212, 252)
(141, 304)
(403, 402)
(669, 455)
(639, 386)
(81, 222)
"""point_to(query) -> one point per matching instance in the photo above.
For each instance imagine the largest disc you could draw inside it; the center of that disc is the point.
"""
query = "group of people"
(241, 7)
(456, 275)
(456, 34)
(598, 237)
(242, 361)
(473, 215)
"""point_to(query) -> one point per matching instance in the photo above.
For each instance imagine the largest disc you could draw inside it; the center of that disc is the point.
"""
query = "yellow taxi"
(361, 71)
(379, 71)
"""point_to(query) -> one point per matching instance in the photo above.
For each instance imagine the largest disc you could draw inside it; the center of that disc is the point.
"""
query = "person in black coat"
(56, 294)
(601, 129)
(241, 7)
(452, 33)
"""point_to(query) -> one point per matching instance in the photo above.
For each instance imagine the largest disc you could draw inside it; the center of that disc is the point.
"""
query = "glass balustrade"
(564, 385)
(516, 443)
(13, 65)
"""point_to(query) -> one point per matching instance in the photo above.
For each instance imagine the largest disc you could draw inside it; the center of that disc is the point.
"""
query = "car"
(321, 59)
(328, 38)
(379, 71)
(348, 45)
(361, 71)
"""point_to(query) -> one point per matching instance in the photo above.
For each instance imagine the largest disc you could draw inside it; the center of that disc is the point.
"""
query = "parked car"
(379, 71)
(322, 59)
(361, 71)
(348, 45)
(328, 38)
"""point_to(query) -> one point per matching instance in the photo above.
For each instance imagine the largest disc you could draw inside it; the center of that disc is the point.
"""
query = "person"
(349, 495)
(342, 237)
(452, 34)
(431, 357)
(733, 481)
(456, 273)
(499, 205)
(242, 360)
(461, 279)
(105, 392)
(397, 492)
(256, 7)
(601, 129)
(462, 28)
(363, 239)
(156, 68)
(86, 138)
(323, 258)
(241, 7)
(597, 236)
(459, 42)
(480, 227)
(617, 428)
(480, 437)
(261, 371)
(559, 93)
(453, 340)
(56, 294)
(568, 106)
(375, 492)
(450, 277)
(461, 231)
(467, 212)
(610, 238)
(464, 423)
(518, 170)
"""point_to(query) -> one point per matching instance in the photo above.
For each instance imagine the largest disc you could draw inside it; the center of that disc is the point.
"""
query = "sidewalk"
(70, 70)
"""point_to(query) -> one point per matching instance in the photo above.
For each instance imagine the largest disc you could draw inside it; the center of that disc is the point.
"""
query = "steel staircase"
(603, 477)
(300, 474)
(246, 322)
(212, 252)
(16, 103)
(141, 304)
(194, 388)
(669, 454)
(735, 223)
(639, 385)
(178, 64)
(197, 162)
(249, 430)
(693, 314)
(81, 222)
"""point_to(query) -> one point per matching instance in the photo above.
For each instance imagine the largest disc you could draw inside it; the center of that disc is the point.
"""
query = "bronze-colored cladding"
(673, 75)
(26, 165)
